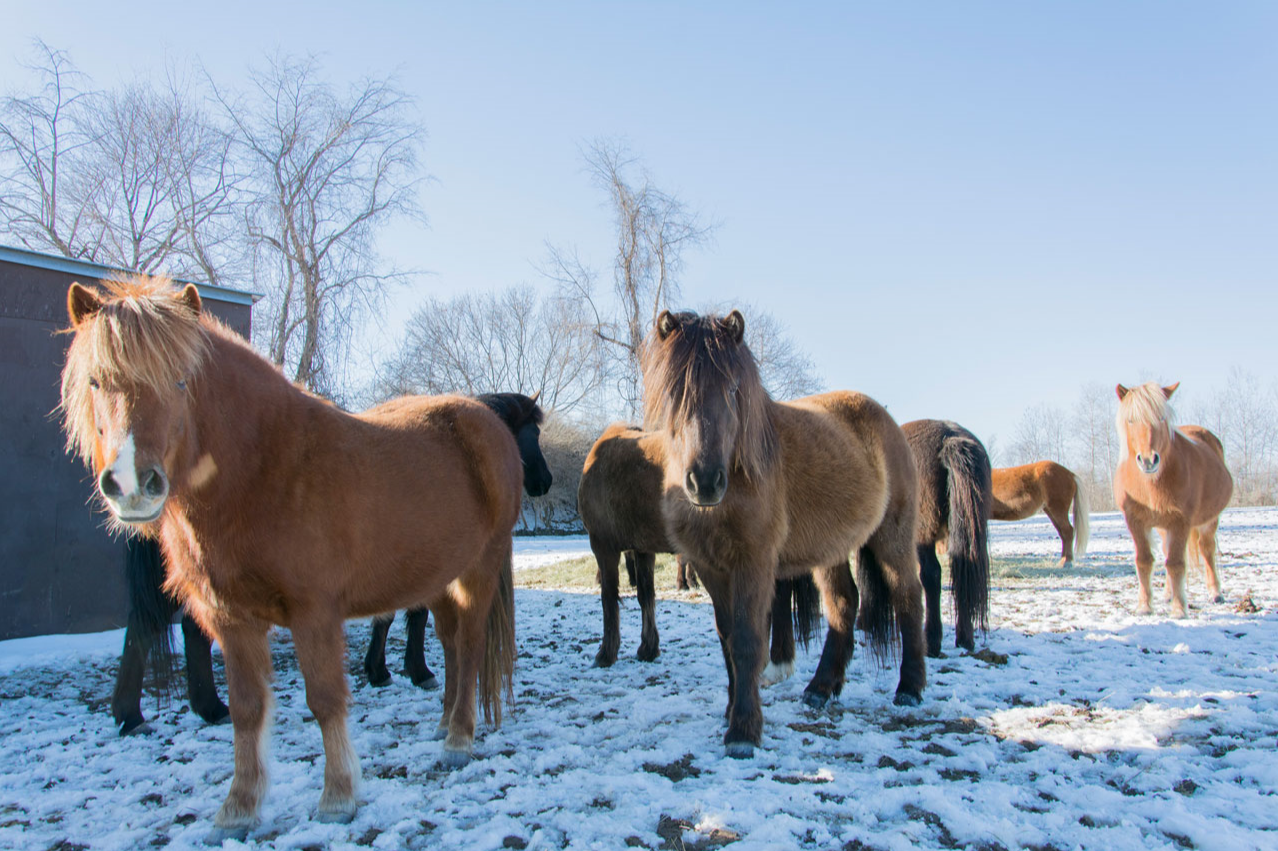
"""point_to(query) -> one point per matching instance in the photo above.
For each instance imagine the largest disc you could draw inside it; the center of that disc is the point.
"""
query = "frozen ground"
(1080, 725)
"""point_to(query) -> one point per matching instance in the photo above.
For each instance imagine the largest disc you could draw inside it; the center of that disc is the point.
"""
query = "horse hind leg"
(445, 611)
(472, 596)
(201, 689)
(930, 575)
(645, 569)
(1207, 553)
(375, 658)
(416, 621)
(1060, 520)
(321, 646)
(841, 601)
(890, 582)
(780, 665)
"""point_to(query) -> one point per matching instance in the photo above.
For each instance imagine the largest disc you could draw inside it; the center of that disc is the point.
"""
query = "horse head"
(1145, 424)
(126, 399)
(702, 389)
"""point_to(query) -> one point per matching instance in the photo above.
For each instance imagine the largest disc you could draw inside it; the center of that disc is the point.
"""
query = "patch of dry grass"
(579, 575)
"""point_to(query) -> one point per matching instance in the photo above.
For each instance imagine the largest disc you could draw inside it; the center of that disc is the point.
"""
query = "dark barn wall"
(60, 570)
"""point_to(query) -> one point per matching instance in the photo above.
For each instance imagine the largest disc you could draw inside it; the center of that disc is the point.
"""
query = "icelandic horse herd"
(268, 506)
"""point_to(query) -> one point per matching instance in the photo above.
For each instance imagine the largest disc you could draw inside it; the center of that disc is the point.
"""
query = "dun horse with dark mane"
(757, 489)
(274, 507)
(1172, 478)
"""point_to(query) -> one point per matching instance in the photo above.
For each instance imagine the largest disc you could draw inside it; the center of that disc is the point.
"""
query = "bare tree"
(653, 229)
(1245, 418)
(43, 138)
(329, 170)
(501, 341)
(1041, 435)
(787, 371)
(1095, 442)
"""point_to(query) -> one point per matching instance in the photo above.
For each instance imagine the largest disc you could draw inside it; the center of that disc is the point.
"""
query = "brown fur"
(1182, 497)
(800, 485)
(1046, 486)
(312, 516)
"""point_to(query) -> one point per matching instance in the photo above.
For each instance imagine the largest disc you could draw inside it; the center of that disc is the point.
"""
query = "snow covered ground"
(1080, 725)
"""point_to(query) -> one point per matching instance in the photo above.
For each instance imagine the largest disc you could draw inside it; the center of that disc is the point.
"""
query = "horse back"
(846, 465)
(619, 496)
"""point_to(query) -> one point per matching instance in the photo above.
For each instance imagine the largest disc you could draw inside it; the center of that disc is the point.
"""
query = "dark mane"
(515, 409)
(693, 364)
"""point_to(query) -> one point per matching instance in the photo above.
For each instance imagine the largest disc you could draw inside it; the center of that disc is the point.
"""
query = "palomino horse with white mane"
(275, 507)
(1045, 486)
(1171, 478)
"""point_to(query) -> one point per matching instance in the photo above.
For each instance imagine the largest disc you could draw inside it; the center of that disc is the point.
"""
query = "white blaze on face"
(124, 468)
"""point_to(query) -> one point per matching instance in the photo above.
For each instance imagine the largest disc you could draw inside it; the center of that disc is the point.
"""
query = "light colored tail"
(496, 671)
(1082, 530)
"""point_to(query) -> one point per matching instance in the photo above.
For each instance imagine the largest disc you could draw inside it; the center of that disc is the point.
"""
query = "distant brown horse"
(619, 500)
(1172, 478)
(1046, 486)
(954, 507)
(757, 490)
(274, 507)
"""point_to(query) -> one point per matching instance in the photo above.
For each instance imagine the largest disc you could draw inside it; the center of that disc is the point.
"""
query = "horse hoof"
(455, 759)
(218, 715)
(429, 683)
(935, 654)
(739, 750)
(645, 655)
(905, 698)
(441, 733)
(136, 728)
(815, 699)
(775, 673)
(1219, 598)
(603, 660)
(380, 680)
(341, 814)
(219, 835)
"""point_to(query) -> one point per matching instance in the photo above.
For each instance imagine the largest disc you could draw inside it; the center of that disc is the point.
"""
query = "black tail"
(968, 547)
(150, 609)
(877, 616)
(807, 608)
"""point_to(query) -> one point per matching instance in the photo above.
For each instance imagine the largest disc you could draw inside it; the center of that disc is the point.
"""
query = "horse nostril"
(720, 480)
(153, 483)
(691, 483)
(109, 486)
(1156, 459)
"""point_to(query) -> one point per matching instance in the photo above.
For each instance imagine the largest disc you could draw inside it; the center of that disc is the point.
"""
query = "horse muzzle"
(1148, 463)
(138, 501)
(706, 487)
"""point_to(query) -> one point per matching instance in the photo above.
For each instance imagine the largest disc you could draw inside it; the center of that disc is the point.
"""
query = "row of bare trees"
(279, 186)
(1243, 414)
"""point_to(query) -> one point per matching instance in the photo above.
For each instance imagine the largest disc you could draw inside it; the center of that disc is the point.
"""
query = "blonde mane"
(143, 335)
(1144, 404)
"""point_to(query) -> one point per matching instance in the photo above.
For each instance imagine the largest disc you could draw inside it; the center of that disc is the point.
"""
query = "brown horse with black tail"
(1172, 478)
(1046, 486)
(756, 490)
(954, 507)
(274, 507)
(619, 500)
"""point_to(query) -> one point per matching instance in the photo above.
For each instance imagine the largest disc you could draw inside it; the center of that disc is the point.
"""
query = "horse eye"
(93, 382)
(181, 384)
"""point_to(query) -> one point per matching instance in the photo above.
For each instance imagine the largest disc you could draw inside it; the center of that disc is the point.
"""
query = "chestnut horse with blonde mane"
(1046, 486)
(757, 490)
(1171, 478)
(274, 507)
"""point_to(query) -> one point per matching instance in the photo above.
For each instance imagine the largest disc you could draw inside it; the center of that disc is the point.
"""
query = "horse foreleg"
(375, 658)
(780, 665)
(416, 621)
(840, 598)
(718, 591)
(930, 575)
(1207, 554)
(645, 570)
(248, 672)
(1144, 563)
(201, 690)
(126, 702)
(748, 596)
(609, 598)
(321, 648)
(1177, 541)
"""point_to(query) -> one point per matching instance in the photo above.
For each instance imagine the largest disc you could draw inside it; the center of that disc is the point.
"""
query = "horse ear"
(534, 397)
(666, 324)
(190, 296)
(1167, 391)
(734, 324)
(1122, 392)
(82, 303)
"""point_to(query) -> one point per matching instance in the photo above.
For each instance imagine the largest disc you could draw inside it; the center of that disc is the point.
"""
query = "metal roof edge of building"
(56, 263)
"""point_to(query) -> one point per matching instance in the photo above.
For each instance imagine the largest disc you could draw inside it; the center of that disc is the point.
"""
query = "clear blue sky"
(961, 208)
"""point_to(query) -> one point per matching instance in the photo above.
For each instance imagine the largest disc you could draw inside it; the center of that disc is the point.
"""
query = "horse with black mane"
(954, 507)
(151, 610)
(274, 507)
(756, 490)
(620, 503)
